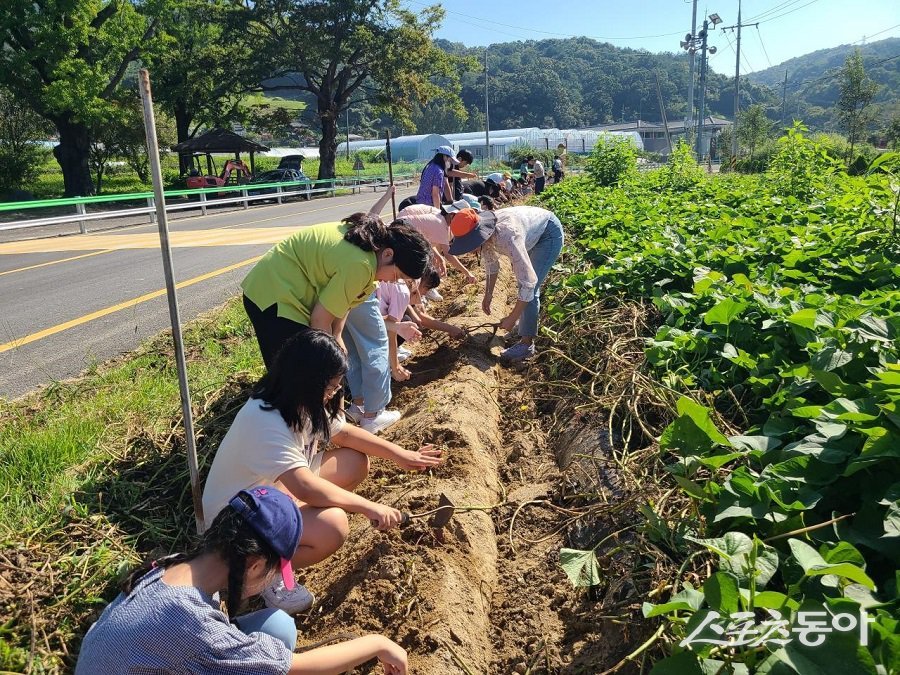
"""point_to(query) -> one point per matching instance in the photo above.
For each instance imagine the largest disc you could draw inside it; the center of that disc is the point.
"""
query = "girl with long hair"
(278, 437)
(316, 276)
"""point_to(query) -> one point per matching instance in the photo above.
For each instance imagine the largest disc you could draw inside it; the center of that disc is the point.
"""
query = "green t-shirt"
(315, 264)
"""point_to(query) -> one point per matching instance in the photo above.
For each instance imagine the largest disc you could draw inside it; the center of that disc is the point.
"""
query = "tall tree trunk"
(183, 121)
(72, 154)
(328, 144)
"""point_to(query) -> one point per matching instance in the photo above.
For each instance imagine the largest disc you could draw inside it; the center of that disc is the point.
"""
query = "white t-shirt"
(257, 449)
(538, 169)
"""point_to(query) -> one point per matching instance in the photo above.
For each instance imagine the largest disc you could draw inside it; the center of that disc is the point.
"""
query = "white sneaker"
(381, 421)
(403, 354)
(293, 602)
(354, 412)
(434, 295)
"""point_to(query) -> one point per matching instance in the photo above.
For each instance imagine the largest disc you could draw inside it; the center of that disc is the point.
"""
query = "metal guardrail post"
(332, 187)
(308, 192)
(152, 204)
(80, 210)
(203, 203)
(279, 191)
(246, 203)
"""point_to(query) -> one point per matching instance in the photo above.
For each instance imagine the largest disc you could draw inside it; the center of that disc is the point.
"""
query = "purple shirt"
(432, 176)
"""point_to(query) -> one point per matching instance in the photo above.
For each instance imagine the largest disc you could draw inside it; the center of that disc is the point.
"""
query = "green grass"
(94, 476)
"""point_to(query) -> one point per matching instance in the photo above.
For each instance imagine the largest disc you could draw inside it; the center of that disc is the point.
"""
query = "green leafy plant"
(613, 160)
(779, 339)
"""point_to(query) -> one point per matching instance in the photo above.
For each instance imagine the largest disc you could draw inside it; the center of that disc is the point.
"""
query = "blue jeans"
(274, 622)
(543, 254)
(369, 375)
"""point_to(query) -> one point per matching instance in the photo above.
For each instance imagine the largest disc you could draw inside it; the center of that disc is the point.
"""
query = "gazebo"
(219, 141)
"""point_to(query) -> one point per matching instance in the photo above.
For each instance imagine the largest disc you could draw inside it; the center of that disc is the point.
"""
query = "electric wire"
(777, 8)
(492, 22)
(791, 11)
(763, 45)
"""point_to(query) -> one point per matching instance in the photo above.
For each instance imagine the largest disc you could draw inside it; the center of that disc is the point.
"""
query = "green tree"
(753, 127)
(857, 92)
(202, 63)
(892, 134)
(371, 49)
(65, 59)
(20, 157)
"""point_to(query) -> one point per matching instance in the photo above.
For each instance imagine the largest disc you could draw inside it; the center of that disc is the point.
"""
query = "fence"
(248, 193)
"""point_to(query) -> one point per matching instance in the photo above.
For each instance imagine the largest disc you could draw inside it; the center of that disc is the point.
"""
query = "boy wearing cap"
(167, 620)
(532, 239)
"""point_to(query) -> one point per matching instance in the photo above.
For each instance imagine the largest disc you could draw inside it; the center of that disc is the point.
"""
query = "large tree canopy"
(65, 59)
(370, 50)
(203, 62)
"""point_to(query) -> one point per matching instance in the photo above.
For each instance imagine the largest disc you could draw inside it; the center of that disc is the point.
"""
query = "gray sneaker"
(518, 352)
(293, 602)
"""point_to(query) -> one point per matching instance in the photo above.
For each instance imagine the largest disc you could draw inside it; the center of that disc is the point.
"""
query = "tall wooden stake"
(391, 173)
(163, 224)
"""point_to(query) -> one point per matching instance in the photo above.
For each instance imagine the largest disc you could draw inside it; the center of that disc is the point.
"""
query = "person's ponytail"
(366, 231)
(411, 250)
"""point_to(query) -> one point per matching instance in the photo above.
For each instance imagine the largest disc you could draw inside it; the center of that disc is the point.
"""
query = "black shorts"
(272, 331)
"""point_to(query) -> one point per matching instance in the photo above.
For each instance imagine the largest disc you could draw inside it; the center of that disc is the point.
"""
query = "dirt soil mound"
(485, 594)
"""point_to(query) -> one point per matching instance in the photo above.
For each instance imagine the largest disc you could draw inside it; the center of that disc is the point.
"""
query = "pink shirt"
(429, 222)
(393, 298)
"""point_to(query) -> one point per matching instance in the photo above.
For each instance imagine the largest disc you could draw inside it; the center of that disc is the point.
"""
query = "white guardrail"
(205, 199)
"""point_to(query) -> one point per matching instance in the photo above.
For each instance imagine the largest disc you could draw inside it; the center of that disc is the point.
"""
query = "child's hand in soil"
(486, 304)
(399, 373)
(470, 279)
(393, 657)
(383, 517)
(456, 332)
(415, 460)
(408, 330)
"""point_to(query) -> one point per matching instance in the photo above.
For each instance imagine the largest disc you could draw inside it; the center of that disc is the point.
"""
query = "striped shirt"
(162, 629)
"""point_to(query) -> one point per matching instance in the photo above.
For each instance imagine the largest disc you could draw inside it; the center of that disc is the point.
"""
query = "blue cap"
(276, 519)
(447, 150)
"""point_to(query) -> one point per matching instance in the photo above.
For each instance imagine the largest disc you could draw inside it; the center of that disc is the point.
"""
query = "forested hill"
(579, 82)
(813, 79)
(824, 62)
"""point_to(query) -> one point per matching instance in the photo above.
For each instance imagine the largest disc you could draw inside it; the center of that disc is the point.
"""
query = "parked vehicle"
(291, 162)
(278, 176)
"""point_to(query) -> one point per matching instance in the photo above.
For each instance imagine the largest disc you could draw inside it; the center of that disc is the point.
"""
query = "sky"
(787, 28)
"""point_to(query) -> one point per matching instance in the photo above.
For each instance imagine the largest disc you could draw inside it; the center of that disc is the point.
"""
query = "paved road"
(71, 302)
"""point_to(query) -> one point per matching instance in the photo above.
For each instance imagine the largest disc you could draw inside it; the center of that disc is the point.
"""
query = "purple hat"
(276, 519)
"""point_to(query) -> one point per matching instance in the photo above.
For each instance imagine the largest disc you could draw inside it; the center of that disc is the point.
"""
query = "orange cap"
(464, 222)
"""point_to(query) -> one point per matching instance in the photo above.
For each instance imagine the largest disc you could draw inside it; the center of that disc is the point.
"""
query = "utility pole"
(737, 78)
(689, 117)
(487, 116)
(737, 86)
(783, 100)
(702, 117)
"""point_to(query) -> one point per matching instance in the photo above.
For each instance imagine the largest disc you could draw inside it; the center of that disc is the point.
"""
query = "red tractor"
(235, 172)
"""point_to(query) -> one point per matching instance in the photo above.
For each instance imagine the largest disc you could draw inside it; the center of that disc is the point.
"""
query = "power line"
(763, 45)
(492, 22)
(776, 8)
(772, 18)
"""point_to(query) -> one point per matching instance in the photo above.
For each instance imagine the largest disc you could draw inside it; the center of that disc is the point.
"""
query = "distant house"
(654, 133)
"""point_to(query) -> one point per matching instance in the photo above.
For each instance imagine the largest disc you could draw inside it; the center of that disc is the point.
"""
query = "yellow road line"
(56, 262)
(122, 305)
